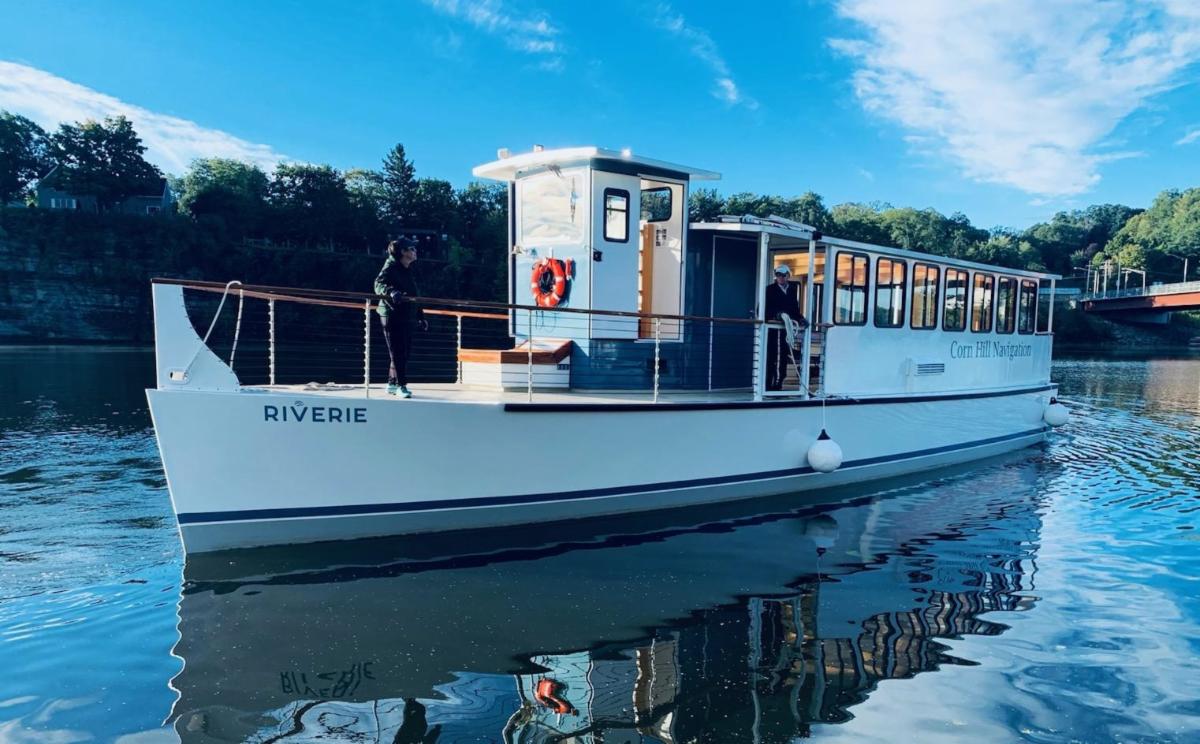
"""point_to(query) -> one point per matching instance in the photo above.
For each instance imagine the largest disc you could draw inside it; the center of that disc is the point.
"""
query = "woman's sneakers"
(405, 392)
(392, 388)
(401, 390)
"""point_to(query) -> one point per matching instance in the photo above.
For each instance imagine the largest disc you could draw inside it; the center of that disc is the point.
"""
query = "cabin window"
(1006, 305)
(954, 312)
(890, 281)
(925, 296)
(549, 209)
(981, 303)
(850, 289)
(1028, 306)
(656, 204)
(616, 215)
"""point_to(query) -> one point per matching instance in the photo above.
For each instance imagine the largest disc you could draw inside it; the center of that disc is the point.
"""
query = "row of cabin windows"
(1011, 302)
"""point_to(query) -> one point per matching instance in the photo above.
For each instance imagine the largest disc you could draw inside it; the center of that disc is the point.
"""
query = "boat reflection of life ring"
(546, 693)
(548, 282)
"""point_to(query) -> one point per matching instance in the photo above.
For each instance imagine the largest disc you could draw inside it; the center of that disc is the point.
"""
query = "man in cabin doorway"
(782, 299)
(396, 282)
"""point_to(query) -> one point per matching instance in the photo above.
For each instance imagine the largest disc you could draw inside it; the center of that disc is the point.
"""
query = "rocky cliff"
(76, 277)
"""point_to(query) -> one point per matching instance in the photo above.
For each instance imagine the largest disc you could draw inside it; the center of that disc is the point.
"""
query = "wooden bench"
(509, 368)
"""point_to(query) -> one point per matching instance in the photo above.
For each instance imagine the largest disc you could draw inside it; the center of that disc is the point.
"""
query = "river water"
(1050, 595)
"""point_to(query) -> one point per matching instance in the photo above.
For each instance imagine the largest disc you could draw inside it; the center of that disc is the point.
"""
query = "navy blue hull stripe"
(413, 506)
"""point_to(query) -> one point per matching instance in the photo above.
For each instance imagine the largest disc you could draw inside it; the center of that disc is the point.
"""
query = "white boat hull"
(251, 468)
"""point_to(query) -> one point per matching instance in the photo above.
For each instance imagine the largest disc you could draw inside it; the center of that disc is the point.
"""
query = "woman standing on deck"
(400, 318)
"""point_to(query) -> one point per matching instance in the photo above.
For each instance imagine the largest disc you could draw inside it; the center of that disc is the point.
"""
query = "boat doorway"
(734, 295)
(811, 299)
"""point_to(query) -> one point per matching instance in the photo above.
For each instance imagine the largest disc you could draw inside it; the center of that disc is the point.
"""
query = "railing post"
(657, 346)
(367, 347)
(760, 346)
(271, 339)
(529, 370)
(810, 318)
(1050, 317)
(237, 328)
(711, 331)
(458, 345)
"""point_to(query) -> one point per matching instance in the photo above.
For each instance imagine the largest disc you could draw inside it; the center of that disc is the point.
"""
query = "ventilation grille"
(929, 368)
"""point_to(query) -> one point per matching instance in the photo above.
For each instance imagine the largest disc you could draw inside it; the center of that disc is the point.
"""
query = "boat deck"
(456, 393)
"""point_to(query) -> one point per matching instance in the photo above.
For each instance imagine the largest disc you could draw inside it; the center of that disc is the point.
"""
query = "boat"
(629, 370)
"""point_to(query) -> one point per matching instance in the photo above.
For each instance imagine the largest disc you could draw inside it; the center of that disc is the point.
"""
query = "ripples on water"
(1048, 596)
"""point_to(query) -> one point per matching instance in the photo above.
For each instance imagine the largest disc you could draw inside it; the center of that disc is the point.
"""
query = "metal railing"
(290, 336)
(1153, 289)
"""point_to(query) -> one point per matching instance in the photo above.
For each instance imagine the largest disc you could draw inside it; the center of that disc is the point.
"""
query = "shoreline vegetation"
(82, 275)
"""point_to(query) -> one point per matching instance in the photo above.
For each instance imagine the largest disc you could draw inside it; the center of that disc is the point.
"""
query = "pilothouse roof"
(508, 168)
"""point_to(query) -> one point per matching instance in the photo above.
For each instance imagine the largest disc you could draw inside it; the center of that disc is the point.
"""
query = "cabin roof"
(801, 237)
(507, 169)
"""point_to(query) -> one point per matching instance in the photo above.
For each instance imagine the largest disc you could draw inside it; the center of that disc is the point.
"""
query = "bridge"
(1151, 304)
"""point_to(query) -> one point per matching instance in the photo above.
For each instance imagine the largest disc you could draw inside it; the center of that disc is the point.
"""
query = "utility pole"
(1185, 263)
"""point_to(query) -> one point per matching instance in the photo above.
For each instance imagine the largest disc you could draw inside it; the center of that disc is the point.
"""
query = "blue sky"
(1008, 110)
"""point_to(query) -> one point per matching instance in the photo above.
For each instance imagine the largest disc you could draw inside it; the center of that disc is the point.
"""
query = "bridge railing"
(1154, 289)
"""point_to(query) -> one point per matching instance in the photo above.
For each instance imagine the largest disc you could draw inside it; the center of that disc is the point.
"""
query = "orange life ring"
(548, 282)
(546, 693)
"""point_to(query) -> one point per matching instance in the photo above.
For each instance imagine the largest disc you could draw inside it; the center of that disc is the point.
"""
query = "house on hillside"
(49, 196)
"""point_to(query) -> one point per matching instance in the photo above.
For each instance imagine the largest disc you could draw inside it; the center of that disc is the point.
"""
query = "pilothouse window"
(656, 204)
(850, 289)
(616, 215)
(890, 276)
(550, 209)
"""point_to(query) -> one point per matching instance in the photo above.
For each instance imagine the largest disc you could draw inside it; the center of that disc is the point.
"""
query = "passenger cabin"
(620, 292)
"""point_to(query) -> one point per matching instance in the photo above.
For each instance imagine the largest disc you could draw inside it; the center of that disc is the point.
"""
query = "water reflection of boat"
(705, 635)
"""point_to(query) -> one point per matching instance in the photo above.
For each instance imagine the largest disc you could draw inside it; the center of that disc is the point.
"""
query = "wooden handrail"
(341, 298)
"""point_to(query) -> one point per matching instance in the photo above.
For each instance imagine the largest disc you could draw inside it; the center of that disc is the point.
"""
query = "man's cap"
(783, 269)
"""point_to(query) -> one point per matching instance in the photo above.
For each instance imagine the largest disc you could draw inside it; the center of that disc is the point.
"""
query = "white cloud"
(1019, 92)
(703, 48)
(532, 34)
(1192, 135)
(171, 142)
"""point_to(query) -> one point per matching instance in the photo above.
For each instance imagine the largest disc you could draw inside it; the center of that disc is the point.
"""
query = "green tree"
(102, 159)
(854, 221)
(705, 205)
(227, 191)
(399, 186)
(809, 209)
(478, 256)
(368, 203)
(23, 156)
(312, 205)
(1163, 235)
(433, 205)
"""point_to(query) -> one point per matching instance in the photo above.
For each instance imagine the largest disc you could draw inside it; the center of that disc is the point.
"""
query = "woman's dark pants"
(397, 334)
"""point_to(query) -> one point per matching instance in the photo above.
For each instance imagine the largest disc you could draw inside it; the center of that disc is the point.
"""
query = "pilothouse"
(646, 357)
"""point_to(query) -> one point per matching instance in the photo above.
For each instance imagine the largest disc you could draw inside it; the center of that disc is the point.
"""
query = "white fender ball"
(824, 456)
(1056, 414)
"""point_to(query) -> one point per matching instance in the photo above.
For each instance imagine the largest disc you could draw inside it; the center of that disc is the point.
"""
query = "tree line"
(301, 204)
